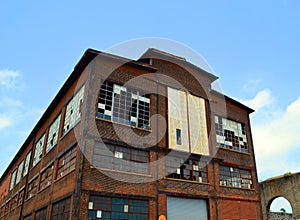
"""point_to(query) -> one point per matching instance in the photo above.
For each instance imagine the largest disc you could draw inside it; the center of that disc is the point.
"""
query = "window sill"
(26, 200)
(186, 181)
(233, 187)
(68, 131)
(41, 190)
(118, 123)
(66, 174)
(236, 151)
(121, 172)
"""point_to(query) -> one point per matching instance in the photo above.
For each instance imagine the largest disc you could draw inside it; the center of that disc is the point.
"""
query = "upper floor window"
(20, 170)
(121, 158)
(124, 105)
(39, 146)
(66, 163)
(231, 134)
(186, 169)
(46, 178)
(235, 177)
(27, 163)
(73, 110)
(13, 179)
(53, 134)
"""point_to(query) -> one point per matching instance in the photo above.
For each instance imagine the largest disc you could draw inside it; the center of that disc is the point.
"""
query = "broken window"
(61, 209)
(20, 170)
(231, 134)
(124, 105)
(186, 169)
(121, 158)
(66, 163)
(117, 208)
(235, 177)
(46, 178)
(12, 180)
(26, 164)
(73, 110)
(53, 134)
(39, 146)
(178, 136)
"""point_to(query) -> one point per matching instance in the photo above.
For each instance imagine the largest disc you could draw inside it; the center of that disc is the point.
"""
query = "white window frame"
(27, 164)
(13, 179)
(20, 171)
(53, 133)
(73, 110)
(38, 152)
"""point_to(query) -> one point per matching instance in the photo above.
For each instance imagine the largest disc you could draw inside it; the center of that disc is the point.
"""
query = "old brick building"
(145, 139)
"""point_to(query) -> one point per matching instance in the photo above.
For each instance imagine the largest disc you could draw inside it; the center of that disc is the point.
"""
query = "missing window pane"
(178, 136)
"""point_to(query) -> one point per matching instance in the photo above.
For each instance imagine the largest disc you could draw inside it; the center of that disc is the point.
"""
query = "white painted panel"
(198, 126)
(177, 118)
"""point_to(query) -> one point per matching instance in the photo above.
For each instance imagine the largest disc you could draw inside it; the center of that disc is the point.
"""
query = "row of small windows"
(121, 158)
(20, 172)
(66, 164)
(60, 211)
(72, 116)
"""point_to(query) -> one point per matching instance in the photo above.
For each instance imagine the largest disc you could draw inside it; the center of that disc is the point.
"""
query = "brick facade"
(88, 191)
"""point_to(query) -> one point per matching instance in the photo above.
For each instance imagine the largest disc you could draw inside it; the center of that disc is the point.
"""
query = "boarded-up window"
(187, 122)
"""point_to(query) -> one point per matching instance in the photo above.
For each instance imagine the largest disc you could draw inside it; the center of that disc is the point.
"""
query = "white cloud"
(4, 122)
(8, 78)
(262, 99)
(275, 137)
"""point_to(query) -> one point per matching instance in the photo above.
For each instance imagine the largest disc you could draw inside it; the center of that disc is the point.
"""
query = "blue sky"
(253, 46)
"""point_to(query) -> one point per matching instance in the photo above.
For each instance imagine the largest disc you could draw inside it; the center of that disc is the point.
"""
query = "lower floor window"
(186, 169)
(61, 210)
(117, 208)
(235, 177)
(41, 214)
(116, 157)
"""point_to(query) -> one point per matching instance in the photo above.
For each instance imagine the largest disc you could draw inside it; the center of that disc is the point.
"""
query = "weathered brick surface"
(86, 180)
